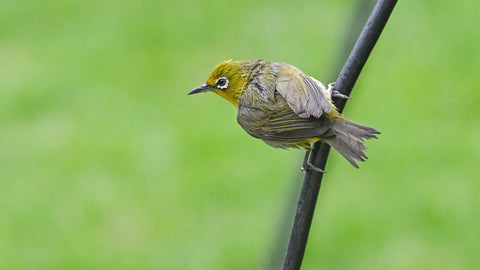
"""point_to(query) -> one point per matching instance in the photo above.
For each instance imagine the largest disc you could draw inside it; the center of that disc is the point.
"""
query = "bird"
(284, 107)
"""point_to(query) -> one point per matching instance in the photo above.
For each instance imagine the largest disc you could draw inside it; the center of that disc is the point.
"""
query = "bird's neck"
(242, 73)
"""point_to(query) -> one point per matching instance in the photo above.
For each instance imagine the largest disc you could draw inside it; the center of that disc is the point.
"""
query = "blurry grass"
(105, 163)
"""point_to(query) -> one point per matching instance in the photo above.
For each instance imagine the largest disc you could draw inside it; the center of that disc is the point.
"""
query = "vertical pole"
(312, 181)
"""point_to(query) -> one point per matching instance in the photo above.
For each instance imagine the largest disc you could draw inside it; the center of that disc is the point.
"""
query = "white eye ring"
(225, 85)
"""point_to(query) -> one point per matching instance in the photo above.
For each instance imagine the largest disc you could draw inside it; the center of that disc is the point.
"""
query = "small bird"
(284, 107)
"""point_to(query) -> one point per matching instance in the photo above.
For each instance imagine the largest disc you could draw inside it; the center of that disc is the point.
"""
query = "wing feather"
(286, 125)
(304, 94)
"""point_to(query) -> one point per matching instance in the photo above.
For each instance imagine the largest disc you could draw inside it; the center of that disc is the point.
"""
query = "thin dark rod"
(312, 180)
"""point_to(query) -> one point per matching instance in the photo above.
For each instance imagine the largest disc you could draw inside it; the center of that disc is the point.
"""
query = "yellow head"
(228, 79)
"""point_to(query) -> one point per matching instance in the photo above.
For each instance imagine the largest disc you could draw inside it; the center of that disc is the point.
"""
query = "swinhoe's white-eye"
(285, 108)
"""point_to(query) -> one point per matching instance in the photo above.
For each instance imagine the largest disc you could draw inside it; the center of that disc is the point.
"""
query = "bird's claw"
(334, 93)
(309, 166)
(337, 94)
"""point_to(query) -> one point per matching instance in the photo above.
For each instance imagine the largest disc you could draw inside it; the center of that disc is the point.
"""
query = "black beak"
(202, 88)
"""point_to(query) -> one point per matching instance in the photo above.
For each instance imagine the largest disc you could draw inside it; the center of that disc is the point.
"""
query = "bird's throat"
(232, 96)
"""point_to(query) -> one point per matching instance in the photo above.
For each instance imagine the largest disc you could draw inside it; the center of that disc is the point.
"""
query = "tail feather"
(347, 138)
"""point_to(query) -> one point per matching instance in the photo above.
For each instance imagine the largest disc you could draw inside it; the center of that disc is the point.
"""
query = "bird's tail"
(347, 138)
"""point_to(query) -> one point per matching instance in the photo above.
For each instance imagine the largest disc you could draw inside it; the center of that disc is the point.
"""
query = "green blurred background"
(106, 163)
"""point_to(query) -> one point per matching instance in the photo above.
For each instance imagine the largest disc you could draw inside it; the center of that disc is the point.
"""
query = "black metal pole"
(312, 181)
(359, 17)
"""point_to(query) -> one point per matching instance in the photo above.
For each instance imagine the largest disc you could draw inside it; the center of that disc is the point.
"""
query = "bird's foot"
(337, 94)
(334, 93)
(309, 166)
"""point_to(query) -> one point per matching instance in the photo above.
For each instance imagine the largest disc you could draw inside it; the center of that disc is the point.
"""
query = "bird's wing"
(287, 125)
(303, 94)
(282, 124)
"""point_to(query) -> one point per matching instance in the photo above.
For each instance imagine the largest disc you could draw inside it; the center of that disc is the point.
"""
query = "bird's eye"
(222, 83)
